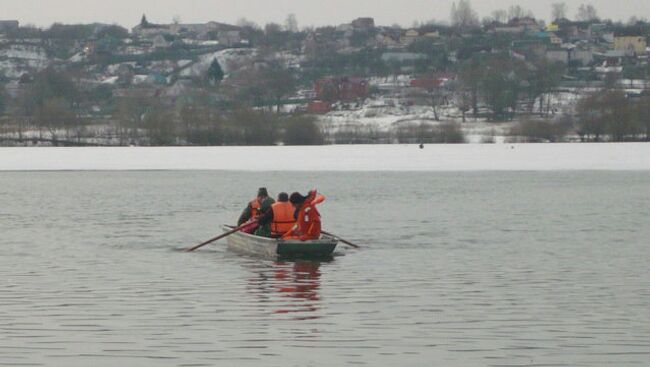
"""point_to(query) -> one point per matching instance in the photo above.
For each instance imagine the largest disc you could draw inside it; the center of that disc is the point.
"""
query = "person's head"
(262, 193)
(296, 199)
(283, 197)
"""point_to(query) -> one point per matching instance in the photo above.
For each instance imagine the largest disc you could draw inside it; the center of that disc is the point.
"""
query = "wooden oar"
(342, 240)
(220, 236)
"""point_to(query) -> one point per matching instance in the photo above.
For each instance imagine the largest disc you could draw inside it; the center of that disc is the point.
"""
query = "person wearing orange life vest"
(280, 217)
(308, 220)
(256, 207)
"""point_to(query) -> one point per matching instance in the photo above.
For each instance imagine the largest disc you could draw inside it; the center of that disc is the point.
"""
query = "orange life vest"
(283, 220)
(308, 226)
(255, 208)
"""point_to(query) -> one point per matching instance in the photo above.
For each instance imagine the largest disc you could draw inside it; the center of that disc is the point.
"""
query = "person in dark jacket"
(256, 207)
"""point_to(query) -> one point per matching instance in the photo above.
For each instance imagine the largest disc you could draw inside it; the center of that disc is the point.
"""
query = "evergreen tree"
(215, 73)
(144, 22)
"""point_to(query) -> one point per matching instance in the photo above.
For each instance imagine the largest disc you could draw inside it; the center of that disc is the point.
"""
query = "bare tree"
(470, 77)
(543, 77)
(642, 113)
(518, 12)
(254, 127)
(464, 102)
(201, 123)
(500, 16)
(559, 10)
(20, 110)
(463, 16)
(291, 23)
(264, 86)
(302, 130)
(607, 112)
(587, 13)
(56, 116)
(433, 96)
(245, 23)
(501, 84)
(129, 115)
(160, 126)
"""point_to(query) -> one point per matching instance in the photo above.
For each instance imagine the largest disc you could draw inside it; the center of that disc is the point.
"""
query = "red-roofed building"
(318, 107)
(344, 89)
(430, 82)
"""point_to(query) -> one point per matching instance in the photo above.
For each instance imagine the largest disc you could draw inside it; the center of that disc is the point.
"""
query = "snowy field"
(464, 157)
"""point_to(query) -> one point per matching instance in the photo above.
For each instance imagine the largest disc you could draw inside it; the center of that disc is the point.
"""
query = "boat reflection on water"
(289, 288)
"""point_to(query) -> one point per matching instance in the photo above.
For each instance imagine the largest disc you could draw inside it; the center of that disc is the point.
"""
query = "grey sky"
(308, 12)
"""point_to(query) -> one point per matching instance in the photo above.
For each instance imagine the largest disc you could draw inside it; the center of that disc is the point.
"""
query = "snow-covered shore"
(464, 157)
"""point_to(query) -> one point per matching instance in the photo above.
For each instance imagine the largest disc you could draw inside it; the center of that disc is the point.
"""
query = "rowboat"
(249, 244)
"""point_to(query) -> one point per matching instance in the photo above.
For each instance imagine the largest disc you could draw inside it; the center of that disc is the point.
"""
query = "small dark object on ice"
(421, 146)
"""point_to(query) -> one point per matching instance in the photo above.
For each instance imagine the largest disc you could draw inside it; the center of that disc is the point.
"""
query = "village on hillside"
(506, 78)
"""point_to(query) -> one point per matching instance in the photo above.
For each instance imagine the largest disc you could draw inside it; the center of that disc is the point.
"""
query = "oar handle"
(341, 239)
(220, 237)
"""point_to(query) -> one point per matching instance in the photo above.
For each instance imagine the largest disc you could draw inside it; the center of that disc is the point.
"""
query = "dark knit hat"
(296, 198)
(262, 192)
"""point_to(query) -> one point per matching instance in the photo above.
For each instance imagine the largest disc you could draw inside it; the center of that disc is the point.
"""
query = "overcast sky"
(308, 12)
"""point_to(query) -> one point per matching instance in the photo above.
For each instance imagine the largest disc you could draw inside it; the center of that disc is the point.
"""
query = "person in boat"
(256, 208)
(280, 217)
(308, 220)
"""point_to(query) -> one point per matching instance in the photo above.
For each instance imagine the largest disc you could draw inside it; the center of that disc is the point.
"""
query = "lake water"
(457, 269)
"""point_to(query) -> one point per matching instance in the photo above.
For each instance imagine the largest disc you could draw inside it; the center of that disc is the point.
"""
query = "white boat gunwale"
(271, 247)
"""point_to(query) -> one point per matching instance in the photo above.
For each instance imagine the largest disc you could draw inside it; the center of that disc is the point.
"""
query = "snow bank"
(487, 157)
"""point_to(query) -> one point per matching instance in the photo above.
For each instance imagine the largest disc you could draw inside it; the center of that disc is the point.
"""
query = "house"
(341, 89)
(530, 48)
(515, 26)
(201, 31)
(151, 31)
(432, 35)
(135, 92)
(429, 82)
(554, 39)
(581, 57)
(558, 55)
(197, 30)
(9, 25)
(160, 42)
(402, 57)
(631, 44)
(571, 31)
(610, 61)
(608, 37)
(363, 24)
(598, 30)
(319, 107)
(230, 37)
(571, 56)
(553, 27)
(410, 36)
(344, 28)
(508, 29)
(388, 37)
(204, 31)
(527, 23)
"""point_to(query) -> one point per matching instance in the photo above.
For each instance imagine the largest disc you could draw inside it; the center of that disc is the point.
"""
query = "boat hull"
(274, 248)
